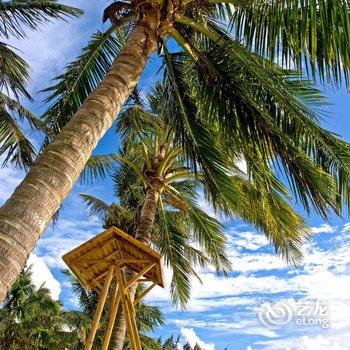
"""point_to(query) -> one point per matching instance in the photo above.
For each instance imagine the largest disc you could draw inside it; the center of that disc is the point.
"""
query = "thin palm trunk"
(143, 233)
(148, 215)
(119, 331)
(26, 214)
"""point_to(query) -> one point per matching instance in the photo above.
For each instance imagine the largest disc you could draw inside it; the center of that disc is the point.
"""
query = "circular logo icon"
(275, 315)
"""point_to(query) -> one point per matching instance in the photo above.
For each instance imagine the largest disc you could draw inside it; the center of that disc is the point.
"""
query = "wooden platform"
(90, 261)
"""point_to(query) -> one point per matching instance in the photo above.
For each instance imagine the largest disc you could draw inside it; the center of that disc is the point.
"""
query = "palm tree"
(258, 106)
(16, 17)
(158, 190)
(29, 318)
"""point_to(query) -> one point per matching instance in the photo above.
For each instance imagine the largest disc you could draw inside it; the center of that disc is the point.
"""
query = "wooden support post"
(144, 294)
(99, 309)
(129, 312)
(112, 315)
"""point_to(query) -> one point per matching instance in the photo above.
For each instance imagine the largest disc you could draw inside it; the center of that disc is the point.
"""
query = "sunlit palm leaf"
(313, 34)
(14, 144)
(82, 76)
(96, 206)
(14, 72)
(97, 167)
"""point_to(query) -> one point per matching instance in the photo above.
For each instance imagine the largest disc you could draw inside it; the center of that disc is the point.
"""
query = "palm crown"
(268, 113)
(158, 190)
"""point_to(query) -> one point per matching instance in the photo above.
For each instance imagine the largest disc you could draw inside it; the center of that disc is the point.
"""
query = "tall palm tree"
(158, 190)
(16, 17)
(230, 46)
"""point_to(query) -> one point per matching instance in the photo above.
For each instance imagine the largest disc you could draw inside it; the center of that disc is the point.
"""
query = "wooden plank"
(96, 283)
(136, 243)
(87, 244)
(95, 248)
(93, 253)
(111, 261)
(139, 275)
(140, 297)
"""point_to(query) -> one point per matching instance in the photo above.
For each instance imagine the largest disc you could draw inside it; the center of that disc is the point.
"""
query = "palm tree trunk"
(119, 331)
(143, 233)
(148, 215)
(26, 214)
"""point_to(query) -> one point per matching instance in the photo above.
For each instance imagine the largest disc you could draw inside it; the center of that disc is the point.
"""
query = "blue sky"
(222, 312)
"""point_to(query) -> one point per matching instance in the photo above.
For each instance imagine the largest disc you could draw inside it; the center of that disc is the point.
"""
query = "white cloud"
(320, 343)
(325, 276)
(324, 228)
(242, 327)
(258, 262)
(317, 342)
(49, 49)
(192, 338)
(65, 236)
(41, 274)
(247, 240)
(9, 180)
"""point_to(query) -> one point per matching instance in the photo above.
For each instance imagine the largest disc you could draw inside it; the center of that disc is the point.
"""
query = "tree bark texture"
(148, 215)
(27, 213)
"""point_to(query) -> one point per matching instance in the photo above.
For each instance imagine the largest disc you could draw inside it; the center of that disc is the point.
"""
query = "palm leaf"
(82, 76)
(13, 142)
(96, 206)
(255, 103)
(312, 34)
(14, 72)
(97, 167)
(16, 16)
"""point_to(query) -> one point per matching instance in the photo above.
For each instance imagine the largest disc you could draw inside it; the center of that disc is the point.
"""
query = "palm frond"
(255, 103)
(96, 206)
(82, 76)
(14, 72)
(171, 242)
(14, 144)
(312, 35)
(199, 144)
(128, 186)
(23, 113)
(261, 205)
(209, 234)
(97, 167)
(16, 16)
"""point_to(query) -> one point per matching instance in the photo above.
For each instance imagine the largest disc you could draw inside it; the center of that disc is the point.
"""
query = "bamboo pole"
(112, 315)
(139, 275)
(99, 309)
(139, 298)
(129, 312)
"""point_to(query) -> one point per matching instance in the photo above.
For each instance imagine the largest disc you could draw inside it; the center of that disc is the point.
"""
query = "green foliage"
(225, 77)
(15, 18)
(30, 319)
(82, 76)
(308, 34)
